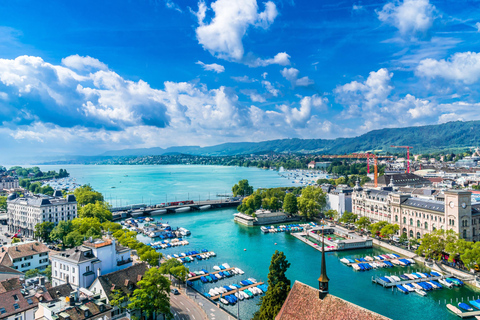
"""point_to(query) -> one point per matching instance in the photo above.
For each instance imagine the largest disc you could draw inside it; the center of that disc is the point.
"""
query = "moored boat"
(465, 306)
(421, 292)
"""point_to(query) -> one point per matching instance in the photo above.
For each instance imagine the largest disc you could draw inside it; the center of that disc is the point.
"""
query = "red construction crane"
(362, 156)
(408, 155)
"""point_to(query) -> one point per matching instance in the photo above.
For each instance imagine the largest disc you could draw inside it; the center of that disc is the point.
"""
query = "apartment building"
(81, 265)
(24, 213)
(25, 256)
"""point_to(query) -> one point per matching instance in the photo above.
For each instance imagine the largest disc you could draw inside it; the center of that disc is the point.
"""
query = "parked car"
(175, 292)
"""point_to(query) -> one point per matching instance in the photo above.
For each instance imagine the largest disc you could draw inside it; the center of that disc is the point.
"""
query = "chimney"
(99, 272)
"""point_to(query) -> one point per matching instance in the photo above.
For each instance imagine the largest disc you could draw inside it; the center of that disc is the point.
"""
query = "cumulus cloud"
(80, 63)
(212, 67)
(47, 104)
(291, 74)
(477, 25)
(244, 79)
(410, 17)
(461, 67)
(223, 35)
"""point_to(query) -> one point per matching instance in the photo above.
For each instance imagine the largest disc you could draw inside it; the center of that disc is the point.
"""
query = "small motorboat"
(465, 306)
(421, 292)
(402, 288)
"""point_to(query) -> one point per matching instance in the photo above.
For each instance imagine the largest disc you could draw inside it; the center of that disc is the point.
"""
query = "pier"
(395, 265)
(391, 284)
(466, 314)
(206, 274)
(238, 289)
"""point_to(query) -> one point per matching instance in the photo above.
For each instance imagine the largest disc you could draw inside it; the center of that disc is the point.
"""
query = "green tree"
(99, 210)
(85, 195)
(278, 288)
(242, 188)
(377, 226)
(332, 214)
(348, 217)
(86, 225)
(118, 299)
(403, 237)
(47, 272)
(43, 230)
(180, 272)
(61, 231)
(290, 204)
(151, 257)
(434, 244)
(311, 202)
(471, 256)
(457, 248)
(74, 239)
(389, 230)
(274, 203)
(167, 266)
(153, 295)
(16, 240)
(31, 273)
(363, 223)
(3, 203)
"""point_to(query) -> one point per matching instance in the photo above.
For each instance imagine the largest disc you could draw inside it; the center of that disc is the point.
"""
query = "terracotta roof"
(14, 302)
(303, 303)
(78, 314)
(10, 284)
(124, 280)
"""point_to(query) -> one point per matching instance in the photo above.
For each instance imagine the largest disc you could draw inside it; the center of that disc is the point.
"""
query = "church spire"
(323, 280)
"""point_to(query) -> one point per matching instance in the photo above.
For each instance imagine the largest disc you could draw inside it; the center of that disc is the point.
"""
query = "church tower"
(323, 280)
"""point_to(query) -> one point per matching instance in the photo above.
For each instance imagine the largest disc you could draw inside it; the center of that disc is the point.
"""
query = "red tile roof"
(303, 303)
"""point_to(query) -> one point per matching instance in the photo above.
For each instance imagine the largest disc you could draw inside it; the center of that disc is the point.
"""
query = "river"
(216, 231)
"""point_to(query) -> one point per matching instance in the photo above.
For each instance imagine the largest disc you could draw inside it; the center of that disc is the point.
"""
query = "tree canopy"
(278, 288)
(85, 195)
(43, 230)
(99, 210)
(290, 204)
(153, 295)
(348, 217)
(363, 223)
(242, 188)
(434, 244)
(312, 201)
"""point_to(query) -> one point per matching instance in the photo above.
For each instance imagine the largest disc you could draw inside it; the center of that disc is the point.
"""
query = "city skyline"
(96, 77)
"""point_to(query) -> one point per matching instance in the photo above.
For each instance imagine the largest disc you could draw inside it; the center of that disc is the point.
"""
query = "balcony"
(122, 262)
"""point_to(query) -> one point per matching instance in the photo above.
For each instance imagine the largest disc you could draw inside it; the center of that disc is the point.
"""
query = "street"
(185, 309)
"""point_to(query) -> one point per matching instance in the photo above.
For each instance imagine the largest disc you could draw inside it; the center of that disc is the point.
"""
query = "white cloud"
(45, 104)
(291, 74)
(357, 7)
(410, 17)
(172, 5)
(80, 63)
(477, 25)
(264, 75)
(270, 88)
(461, 67)
(212, 67)
(223, 35)
(244, 79)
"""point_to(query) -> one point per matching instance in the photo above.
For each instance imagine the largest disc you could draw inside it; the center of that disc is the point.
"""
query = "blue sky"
(85, 77)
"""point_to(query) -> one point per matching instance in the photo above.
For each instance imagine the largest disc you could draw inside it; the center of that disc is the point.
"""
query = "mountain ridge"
(428, 138)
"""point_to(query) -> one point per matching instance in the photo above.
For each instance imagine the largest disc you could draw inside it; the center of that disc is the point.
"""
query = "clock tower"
(458, 212)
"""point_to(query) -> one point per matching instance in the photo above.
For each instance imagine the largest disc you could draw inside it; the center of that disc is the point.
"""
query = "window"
(418, 223)
(16, 306)
(426, 225)
(15, 297)
(73, 279)
(87, 269)
(464, 234)
(2, 311)
(411, 221)
(73, 269)
(418, 235)
(411, 233)
(404, 220)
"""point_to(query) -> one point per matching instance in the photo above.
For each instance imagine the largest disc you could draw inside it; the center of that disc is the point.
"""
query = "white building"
(25, 256)
(80, 266)
(7, 183)
(24, 213)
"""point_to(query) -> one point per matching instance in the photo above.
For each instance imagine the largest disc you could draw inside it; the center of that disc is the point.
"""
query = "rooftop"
(428, 204)
(303, 303)
(124, 280)
(20, 250)
(41, 200)
(14, 302)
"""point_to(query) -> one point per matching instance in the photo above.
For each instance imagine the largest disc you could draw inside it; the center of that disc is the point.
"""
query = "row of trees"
(309, 204)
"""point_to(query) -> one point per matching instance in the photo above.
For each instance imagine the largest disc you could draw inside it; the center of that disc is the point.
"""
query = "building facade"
(7, 183)
(417, 216)
(24, 213)
(25, 256)
(81, 265)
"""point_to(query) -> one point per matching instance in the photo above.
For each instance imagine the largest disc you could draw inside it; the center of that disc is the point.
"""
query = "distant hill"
(442, 137)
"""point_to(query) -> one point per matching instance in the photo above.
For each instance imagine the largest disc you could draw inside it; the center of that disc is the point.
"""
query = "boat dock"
(352, 263)
(206, 274)
(392, 284)
(239, 289)
(466, 314)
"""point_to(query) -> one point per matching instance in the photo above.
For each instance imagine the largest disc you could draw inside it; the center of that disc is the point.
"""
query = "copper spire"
(323, 280)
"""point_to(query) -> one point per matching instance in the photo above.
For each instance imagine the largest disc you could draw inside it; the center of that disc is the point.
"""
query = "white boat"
(158, 212)
(344, 260)
(421, 292)
(356, 267)
(216, 268)
(417, 287)
(218, 276)
(184, 209)
(433, 284)
(390, 279)
(233, 287)
(184, 232)
(245, 295)
(223, 301)
(396, 278)
(205, 207)
(253, 280)
(445, 283)
(411, 261)
(239, 296)
(408, 287)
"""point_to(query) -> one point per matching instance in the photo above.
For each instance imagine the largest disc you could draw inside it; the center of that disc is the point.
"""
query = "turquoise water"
(215, 230)
(158, 184)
